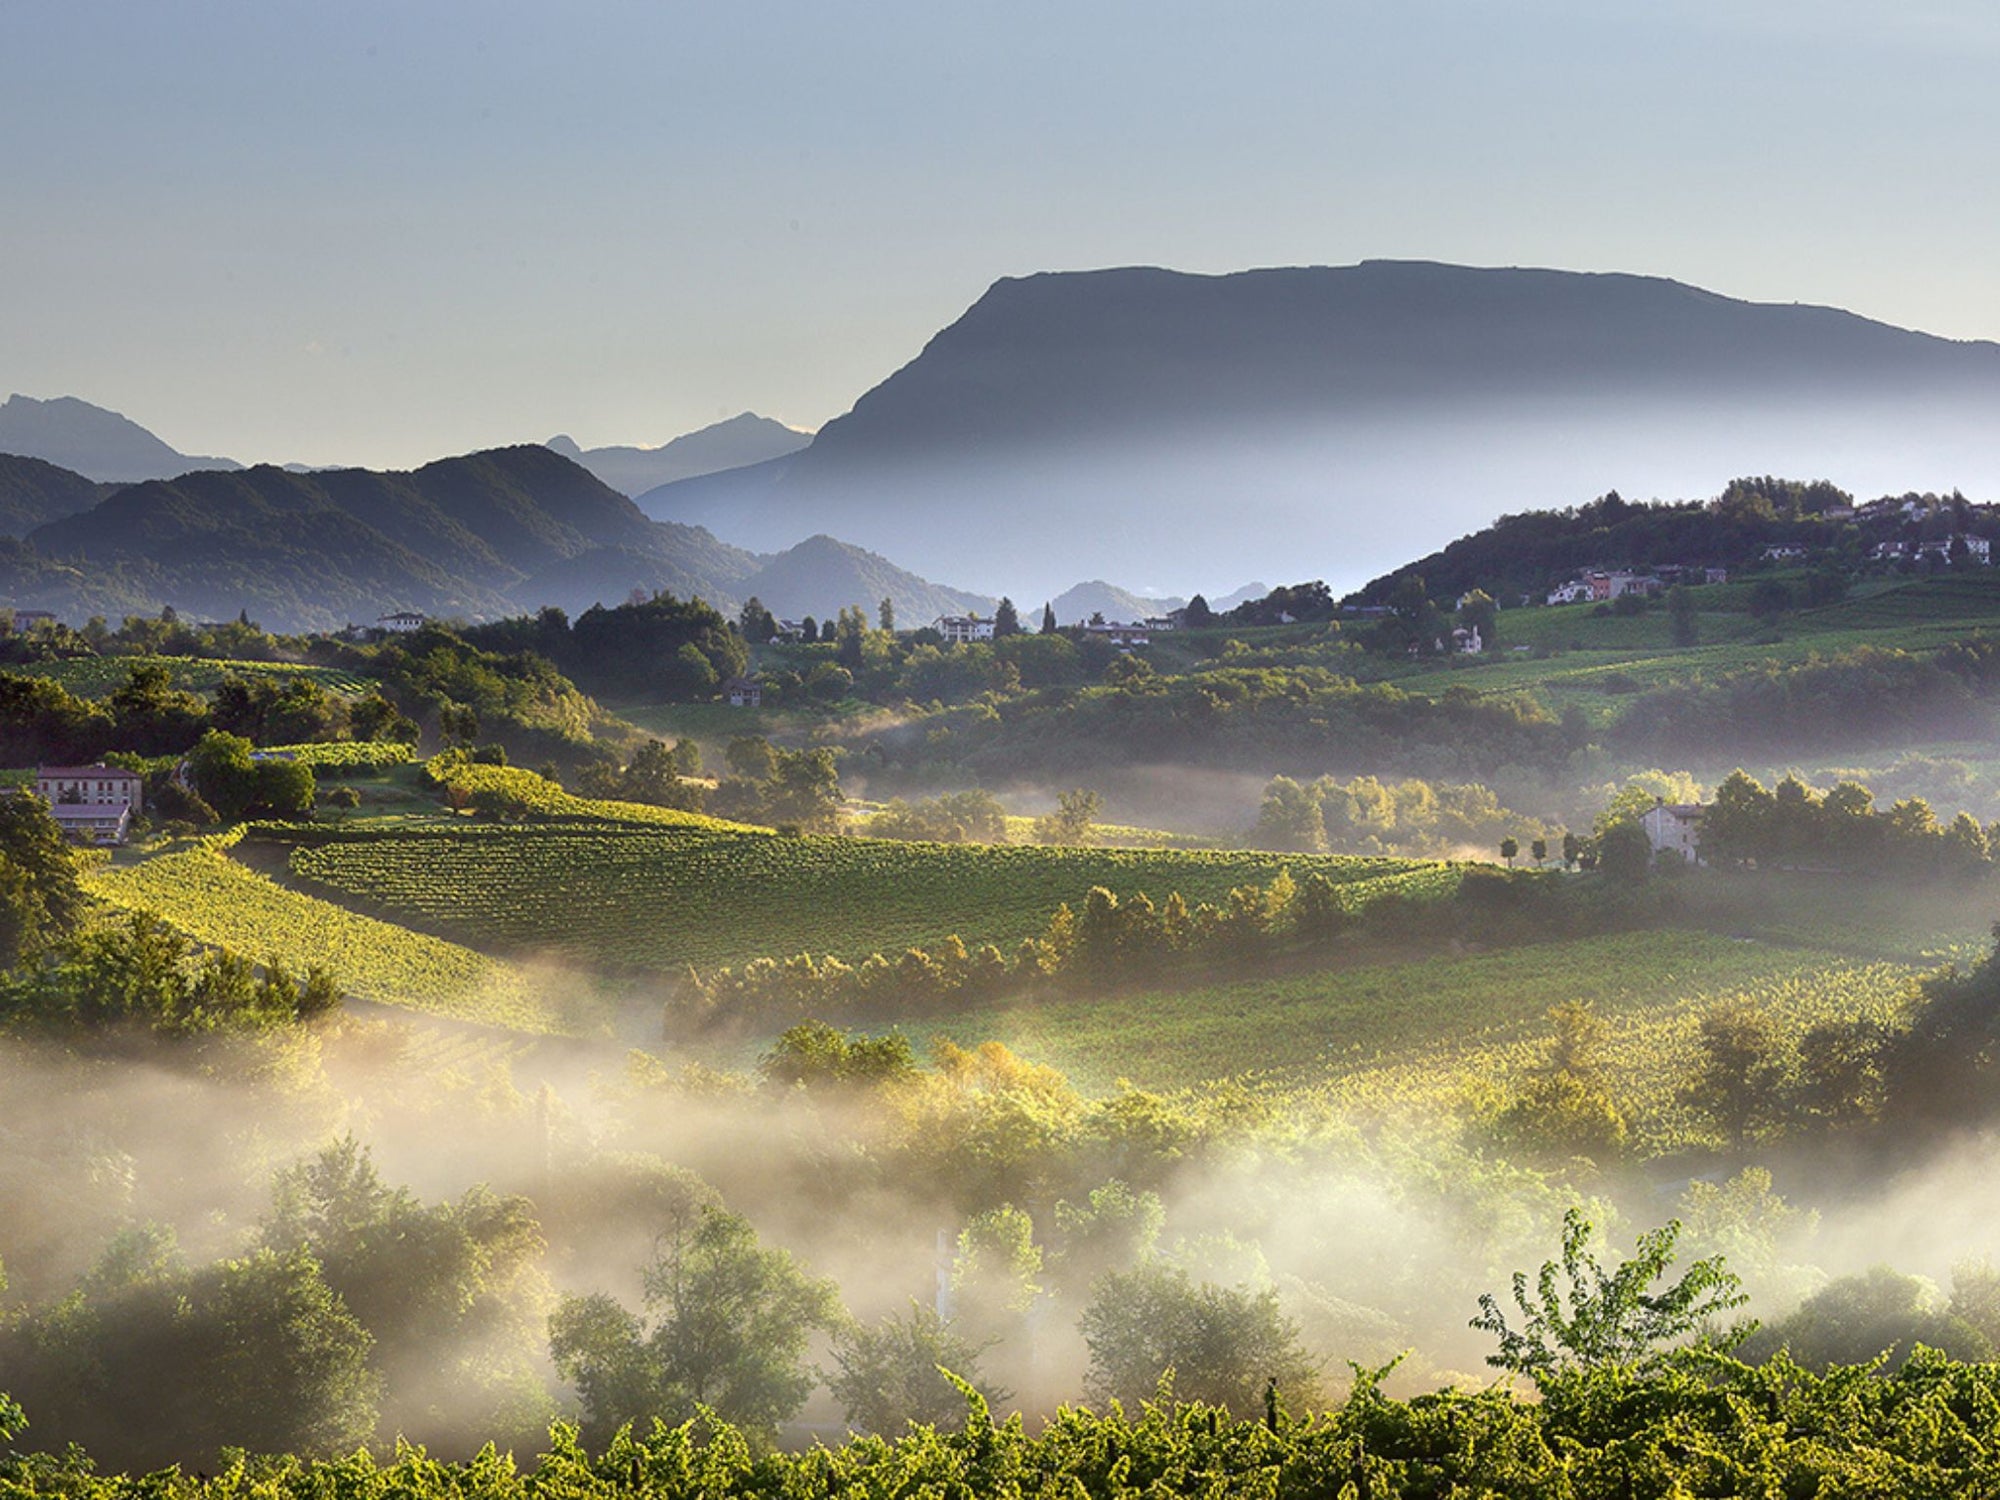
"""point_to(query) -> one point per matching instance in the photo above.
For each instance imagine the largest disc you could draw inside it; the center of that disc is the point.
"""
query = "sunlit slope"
(624, 897)
(1430, 1039)
(1312, 1028)
(214, 899)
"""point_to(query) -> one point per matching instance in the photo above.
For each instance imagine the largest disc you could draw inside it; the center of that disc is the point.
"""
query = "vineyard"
(1419, 1030)
(101, 676)
(624, 897)
(217, 900)
(1609, 1434)
(347, 755)
(525, 793)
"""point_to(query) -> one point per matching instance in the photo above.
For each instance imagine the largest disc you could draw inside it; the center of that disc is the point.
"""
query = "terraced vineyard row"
(217, 900)
(101, 676)
(347, 755)
(536, 794)
(635, 898)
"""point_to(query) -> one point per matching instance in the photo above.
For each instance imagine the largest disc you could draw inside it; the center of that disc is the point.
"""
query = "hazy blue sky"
(379, 232)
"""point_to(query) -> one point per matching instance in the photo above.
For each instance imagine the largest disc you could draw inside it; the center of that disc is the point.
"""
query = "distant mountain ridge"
(1329, 421)
(101, 445)
(1075, 606)
(742, 440)
(487, 534)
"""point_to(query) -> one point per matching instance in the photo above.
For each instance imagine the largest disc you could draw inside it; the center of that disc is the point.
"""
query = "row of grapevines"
(653, 898)
(348, 754)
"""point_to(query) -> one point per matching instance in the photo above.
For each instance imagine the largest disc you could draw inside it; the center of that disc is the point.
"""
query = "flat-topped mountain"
(98, 444)
(1319, 421)
(744, 439)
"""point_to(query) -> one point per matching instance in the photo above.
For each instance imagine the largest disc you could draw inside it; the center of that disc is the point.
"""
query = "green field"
(625, 897)
(1594, 661)
(101, 676)
(1430, 1038)
(215, 899)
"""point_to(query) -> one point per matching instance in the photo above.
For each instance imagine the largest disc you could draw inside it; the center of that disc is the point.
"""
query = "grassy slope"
(214, 899)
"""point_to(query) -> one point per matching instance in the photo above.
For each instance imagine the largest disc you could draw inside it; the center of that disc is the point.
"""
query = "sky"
(376, 233)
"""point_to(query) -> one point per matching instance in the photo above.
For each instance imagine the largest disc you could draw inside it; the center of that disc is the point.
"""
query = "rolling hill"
(487, 534)
(33, 492)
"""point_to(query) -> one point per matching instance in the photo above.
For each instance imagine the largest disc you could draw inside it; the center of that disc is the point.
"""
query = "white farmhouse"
(959, 630)
(1676, 827)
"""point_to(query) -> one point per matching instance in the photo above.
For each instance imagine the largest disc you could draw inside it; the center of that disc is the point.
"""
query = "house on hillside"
(1466, 642)
(1615, 585)
(402, 622)
(1574, 592)
(743, 692)
(960, 630)
(90, 786)
(1675, 826)
(91, 804)
(26, 620)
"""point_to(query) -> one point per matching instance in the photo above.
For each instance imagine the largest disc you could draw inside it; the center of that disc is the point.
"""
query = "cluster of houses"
(1977, 550)
(1603, 584)
(961, 630)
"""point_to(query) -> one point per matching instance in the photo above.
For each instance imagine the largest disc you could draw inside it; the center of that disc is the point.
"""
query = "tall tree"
(756, 622)
(1006, 620)
(1049, 619)
(730, 1324)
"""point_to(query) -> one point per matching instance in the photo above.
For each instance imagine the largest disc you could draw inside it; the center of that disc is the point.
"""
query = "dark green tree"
(1681, 615)
(891, 1373)
(1224, 1345)
(729, 1325)
(1738, 1076)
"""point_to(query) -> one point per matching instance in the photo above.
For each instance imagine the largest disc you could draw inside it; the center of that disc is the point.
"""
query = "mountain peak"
(734, 443)
(100, 444)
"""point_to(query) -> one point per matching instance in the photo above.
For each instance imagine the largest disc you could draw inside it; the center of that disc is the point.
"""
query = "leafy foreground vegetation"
(1718, 1428)
(1638, 1395)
